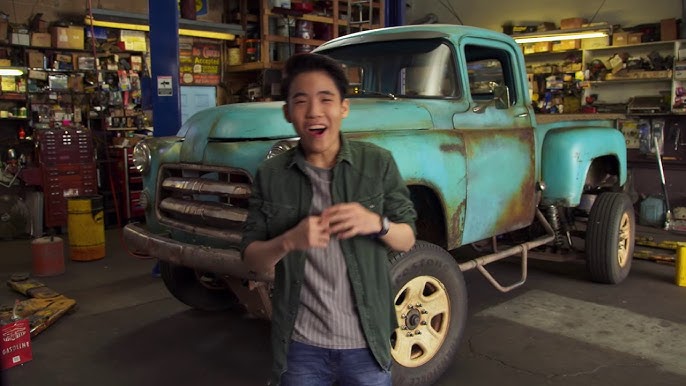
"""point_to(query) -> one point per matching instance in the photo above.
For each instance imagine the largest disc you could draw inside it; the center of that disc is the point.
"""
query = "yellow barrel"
(681, 266)
(85, 225)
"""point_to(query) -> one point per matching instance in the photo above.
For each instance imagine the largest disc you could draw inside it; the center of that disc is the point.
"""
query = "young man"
(323, 215)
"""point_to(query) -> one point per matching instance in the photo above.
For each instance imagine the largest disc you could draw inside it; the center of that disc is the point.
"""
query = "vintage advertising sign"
(199, 61)
(15, 344)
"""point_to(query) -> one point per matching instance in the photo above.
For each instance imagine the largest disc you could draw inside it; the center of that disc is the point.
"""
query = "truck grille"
(204, 200)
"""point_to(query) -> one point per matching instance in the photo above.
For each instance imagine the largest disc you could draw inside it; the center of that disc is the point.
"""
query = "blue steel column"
(164, 58)
(395, 13)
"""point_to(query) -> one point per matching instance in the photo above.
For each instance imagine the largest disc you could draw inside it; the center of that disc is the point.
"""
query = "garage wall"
(493, 14)
(76, 9)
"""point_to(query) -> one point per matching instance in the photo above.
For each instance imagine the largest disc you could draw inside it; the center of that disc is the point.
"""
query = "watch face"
(385, 224)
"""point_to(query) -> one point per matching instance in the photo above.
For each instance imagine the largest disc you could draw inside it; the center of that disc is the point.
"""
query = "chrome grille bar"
(204, 186)
(207, 211)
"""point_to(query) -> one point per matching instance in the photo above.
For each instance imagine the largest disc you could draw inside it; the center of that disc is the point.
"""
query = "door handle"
(522, 115)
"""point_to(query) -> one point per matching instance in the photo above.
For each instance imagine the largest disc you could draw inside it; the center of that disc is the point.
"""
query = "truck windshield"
(406, 68)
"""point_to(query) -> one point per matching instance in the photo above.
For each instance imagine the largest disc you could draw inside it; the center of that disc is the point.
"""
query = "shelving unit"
(625, 84)
(273, 34)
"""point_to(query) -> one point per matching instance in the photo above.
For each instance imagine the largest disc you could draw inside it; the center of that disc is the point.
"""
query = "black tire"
(426, 273)
(184, 284)
(610, 238)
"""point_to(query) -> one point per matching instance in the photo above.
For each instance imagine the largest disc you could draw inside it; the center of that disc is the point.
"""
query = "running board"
(522, 250)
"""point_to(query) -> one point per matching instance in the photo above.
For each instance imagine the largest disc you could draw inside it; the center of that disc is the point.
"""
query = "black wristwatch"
(385, 225)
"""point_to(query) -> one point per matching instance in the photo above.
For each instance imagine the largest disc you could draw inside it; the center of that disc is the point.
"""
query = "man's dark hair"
(301, 63)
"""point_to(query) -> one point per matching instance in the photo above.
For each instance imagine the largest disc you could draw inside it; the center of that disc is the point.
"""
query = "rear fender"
(567, 155)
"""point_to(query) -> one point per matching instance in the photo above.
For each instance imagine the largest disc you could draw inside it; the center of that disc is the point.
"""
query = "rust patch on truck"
(452, 148)
(455, 230)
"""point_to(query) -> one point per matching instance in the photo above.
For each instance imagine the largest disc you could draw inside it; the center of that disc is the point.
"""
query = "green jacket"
(282, 195)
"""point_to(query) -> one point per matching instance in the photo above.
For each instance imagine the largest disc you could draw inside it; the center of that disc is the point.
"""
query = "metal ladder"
(360, 6)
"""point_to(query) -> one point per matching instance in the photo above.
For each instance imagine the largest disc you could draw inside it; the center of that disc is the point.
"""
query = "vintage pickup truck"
(452, 104)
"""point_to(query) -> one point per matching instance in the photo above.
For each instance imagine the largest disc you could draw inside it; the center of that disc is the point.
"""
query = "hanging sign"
(164, 85)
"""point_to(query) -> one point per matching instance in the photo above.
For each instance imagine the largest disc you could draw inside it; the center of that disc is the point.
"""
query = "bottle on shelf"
(21, 133)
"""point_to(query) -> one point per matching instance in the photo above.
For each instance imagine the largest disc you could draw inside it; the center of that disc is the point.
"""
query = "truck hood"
(265, 120)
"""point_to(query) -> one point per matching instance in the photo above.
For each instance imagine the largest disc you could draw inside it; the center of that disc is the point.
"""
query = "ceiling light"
(564, 34)
(11, 71)
(139, 22)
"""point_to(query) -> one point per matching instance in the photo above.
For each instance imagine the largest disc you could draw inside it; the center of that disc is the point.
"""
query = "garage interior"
(82, 86)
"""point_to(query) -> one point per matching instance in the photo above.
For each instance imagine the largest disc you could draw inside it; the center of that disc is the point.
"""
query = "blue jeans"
(316, 366)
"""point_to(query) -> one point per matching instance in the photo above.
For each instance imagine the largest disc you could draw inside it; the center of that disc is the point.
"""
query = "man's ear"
(285, 113)
(345, 107)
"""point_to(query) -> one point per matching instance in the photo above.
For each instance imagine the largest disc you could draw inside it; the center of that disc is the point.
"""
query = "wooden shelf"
(11, 96)
(252, 66)
(629, 80)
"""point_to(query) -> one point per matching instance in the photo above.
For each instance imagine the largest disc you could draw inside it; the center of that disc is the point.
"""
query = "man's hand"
(311, 232)
(351, 219)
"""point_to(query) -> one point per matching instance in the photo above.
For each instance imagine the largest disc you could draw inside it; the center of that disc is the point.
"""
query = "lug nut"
(423, 323)
(403, 328)
(418, 333)
(403, 316)
(419, 304)
(425, 312)
(409, 334)
(409, 306)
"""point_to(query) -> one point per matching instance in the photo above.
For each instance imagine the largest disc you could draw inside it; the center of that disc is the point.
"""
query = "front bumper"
(201, 258)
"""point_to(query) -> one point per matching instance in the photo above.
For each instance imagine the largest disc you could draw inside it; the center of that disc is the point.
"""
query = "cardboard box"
(668, 29)
(571, 23)
(67, 37)
(587, 44)
(15, 344)
(565, 45)
(635, 38)
(20, 39)
(528, 48)
(36, 59)
(620, 38)
(542, 46)
(85, 63)
(41, 39)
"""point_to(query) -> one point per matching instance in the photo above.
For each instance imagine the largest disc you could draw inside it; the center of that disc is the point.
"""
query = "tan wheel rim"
(624, 240)
(422, 307)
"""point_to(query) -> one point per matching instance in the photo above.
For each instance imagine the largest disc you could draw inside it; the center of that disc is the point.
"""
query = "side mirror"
(501, 97)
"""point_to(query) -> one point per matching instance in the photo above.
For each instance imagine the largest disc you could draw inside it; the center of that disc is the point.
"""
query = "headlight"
(141, 157)
(282, 146)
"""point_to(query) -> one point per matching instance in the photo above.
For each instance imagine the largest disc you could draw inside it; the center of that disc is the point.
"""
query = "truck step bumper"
(219, 261)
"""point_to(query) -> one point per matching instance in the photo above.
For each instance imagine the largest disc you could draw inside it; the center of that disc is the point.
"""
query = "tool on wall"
(668, 213)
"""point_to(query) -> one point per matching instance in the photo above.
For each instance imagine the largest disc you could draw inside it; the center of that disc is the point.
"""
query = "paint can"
(85, 224)
(47, 256)
(680, 266)
(234, 56)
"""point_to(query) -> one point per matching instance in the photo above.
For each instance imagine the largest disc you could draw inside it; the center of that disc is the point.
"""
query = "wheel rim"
(624, 240)
(422, 307)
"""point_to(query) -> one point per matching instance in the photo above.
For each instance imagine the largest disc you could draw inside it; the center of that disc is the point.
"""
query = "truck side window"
(487, 68)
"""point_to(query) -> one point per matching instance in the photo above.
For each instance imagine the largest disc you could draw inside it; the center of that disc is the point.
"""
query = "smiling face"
(316, 109)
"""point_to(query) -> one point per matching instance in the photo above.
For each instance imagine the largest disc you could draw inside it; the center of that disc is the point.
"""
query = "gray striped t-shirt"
(327, 316)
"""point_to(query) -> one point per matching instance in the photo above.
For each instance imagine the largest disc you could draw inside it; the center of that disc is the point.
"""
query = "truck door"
(499, 141)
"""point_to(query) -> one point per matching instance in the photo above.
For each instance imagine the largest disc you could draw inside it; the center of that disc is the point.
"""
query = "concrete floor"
(559, 329)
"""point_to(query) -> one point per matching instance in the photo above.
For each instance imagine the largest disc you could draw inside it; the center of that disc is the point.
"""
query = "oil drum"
(85, 225)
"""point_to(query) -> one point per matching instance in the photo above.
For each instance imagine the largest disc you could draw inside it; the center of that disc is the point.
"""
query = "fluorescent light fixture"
(564, 34)
(139, 22)
(11, 71)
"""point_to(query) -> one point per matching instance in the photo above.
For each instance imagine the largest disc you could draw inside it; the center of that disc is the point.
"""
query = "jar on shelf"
(252, 50)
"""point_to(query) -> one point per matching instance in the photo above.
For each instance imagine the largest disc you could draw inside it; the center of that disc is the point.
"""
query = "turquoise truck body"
(452, 105)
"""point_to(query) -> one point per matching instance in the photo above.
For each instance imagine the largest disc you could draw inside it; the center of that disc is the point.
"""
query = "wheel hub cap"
(423, 311)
